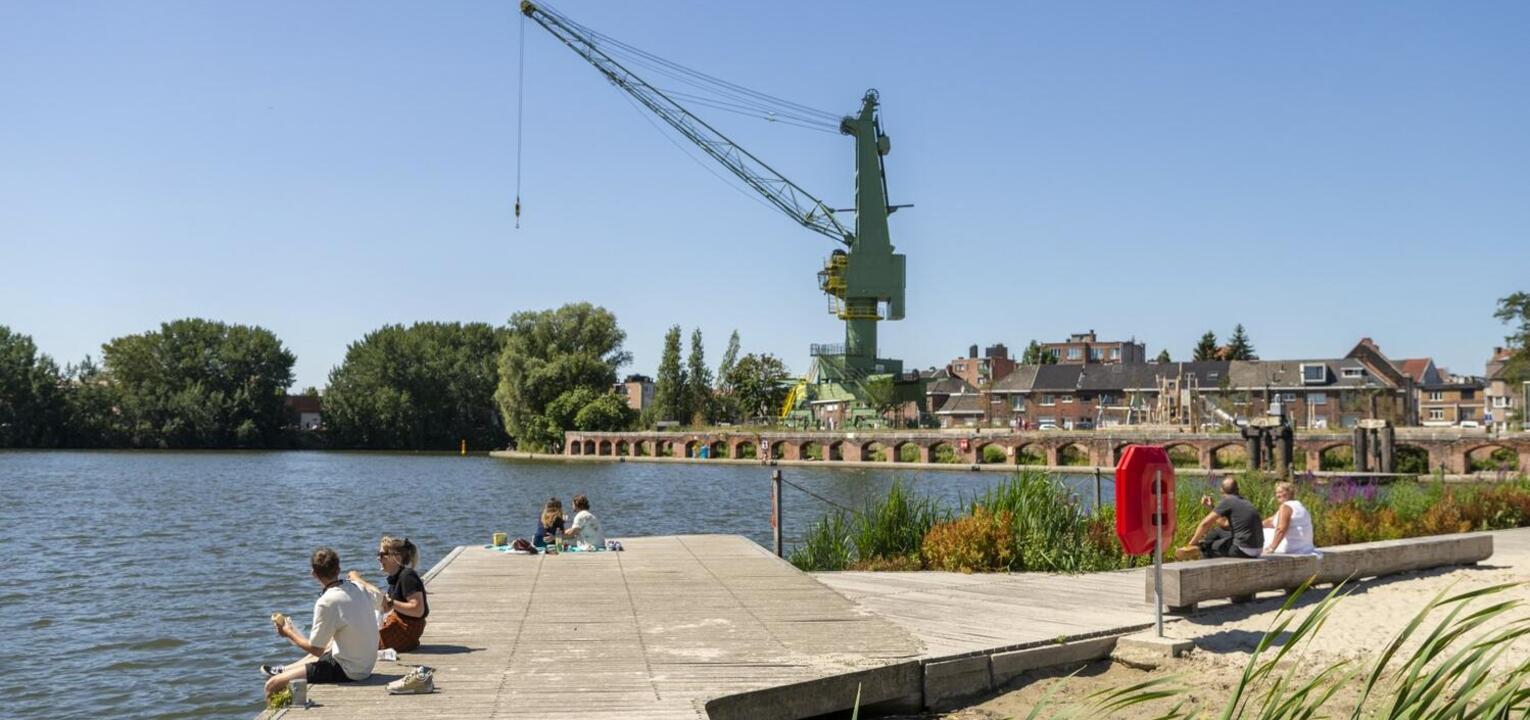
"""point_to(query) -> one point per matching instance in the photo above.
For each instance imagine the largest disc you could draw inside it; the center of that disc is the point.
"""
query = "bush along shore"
(1030, 522)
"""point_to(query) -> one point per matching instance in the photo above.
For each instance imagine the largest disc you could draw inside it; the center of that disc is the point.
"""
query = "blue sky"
(1316, 171)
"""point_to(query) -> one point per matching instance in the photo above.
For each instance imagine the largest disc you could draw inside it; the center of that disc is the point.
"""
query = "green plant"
(1337, 459)
(982, 541)
(280, 699)
(993, 454)
(1072, 455)
(1184, 456)
(908, 453)
(944, 453)
(826, 546)
(896, 526)
(812, 451)
(1029, 456)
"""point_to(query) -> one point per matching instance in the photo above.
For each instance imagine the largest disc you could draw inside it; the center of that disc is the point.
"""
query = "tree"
(1036, 355)
(670, 401)
(760, 382)
(1163, 356)
(93, 402)
(548, 353)
(1239, 347)
(200, 384)
(608, 412)
(33, 407)
(698, 383)
(730, 356)
(882, 395)
(1514, 311)
(428, 386)
(1207, 348)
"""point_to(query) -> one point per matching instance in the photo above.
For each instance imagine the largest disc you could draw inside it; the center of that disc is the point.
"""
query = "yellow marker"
(464, 446)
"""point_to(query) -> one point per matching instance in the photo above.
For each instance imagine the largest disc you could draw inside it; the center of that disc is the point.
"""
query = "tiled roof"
(1416, 368)
(950, 386)
(1018, 380)
(963, 405)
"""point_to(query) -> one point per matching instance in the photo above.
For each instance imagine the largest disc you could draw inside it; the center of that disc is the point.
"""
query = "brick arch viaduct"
(1450, 450)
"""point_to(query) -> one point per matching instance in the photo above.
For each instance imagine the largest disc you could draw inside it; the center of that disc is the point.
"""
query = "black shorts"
(326, 670)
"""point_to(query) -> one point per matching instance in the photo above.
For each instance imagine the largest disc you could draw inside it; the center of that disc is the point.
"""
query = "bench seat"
(1185, 584)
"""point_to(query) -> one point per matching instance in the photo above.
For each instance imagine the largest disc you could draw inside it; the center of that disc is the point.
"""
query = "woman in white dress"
(1289, 530)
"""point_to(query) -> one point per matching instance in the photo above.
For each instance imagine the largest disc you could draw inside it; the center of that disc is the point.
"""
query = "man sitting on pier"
(342, 643)
(1233, 528)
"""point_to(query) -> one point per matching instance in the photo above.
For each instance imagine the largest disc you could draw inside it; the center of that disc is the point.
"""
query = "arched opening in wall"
(744, 450)
(778, 450)
(944, 452)
(589, 447)
(692, 448)
(1410, 459)
(1336, 458)
(640, 448)
(576, 448)
(604, 448)
(718, 449)
(1491, 458)
(1117, 452)
(1030, 454)
(992, 454)
(1184, 456)
(874, 452)
(1229, 457)
(906, 452)
(836, 450)
(811, 450)
(664, 448)
(621, 449)
(1073, 454)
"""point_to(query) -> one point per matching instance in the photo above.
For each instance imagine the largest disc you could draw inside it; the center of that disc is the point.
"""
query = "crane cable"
(520, 112)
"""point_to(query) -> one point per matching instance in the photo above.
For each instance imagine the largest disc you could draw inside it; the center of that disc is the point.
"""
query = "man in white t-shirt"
(586, 528)
(342, 643)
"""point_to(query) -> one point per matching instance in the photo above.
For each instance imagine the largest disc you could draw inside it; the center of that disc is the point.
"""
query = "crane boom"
(798, 204)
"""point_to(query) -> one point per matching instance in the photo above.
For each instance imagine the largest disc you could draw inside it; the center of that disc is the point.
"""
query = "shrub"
(944, 453)
(826, 546)
(1183, 456)
(1337, 458)
(981, 541)
(994, 454)
(1230, 457)
(812, 451)
(908, 453)
(1410, 460)
(746, 451)
(894, 527)
(1072, 455)
(1029, 456)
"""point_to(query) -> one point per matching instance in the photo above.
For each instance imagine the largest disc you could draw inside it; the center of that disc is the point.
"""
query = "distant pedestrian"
(342, 643)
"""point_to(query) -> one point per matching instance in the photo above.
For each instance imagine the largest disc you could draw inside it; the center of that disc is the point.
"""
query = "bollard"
(776, 520)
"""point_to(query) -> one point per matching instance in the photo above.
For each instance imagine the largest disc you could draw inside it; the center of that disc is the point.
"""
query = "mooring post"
(1096, 489)
(776, 520)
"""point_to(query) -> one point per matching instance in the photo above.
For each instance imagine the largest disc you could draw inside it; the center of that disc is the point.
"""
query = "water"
(146, 579)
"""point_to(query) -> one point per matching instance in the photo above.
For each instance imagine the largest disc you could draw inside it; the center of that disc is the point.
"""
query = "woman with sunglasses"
(404, 606)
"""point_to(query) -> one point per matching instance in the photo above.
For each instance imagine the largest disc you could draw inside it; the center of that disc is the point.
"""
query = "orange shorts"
(400, 632)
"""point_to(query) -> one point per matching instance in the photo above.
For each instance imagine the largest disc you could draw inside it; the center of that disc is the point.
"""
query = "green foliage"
(1163, 356)
(812, 451)
(1029, 455)
(608, 412)
(1239, 347)
(670, 398)
(1035, 355)
(759, 384)
(1337, 458)
(993, 454)
(194, 383)
(1206, 348)
(549, 353)
(427, 386)
(1410, 460)
(33, 406)
(1500, 458)
(1072, 455)
(908, 453)
(826, 546)
(944, 453)
(980, 542)
(895, 527)
(698, 383)
(729, 359)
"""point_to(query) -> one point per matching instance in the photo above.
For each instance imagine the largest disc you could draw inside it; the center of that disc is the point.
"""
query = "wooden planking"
(653, 632)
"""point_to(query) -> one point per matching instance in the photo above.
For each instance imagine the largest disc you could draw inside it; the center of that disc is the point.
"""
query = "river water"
(146, 578)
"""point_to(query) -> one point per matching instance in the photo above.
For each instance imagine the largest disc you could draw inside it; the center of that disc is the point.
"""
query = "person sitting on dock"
(1289, 530)
(404, 606)
(549, 523)
(342, 643)
(1233, 528)
(586, 528)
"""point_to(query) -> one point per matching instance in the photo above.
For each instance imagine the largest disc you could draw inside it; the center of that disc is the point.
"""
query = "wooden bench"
(1187, 583)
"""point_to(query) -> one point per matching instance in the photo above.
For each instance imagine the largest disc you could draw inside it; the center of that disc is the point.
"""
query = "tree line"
(197, 383)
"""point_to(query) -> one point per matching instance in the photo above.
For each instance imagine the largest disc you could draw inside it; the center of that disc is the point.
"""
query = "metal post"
(1096, 489)
(776, 520)
(1158, 550)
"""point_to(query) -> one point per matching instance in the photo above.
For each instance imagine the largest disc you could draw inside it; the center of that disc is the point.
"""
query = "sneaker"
(419, 681)
(271, 670)
(1188, 552)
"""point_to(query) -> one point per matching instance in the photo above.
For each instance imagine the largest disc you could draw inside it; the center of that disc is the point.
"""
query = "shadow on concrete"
(439, 650)
(1213, 615)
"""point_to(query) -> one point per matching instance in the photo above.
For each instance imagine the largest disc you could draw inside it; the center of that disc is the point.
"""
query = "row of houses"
(991, 390)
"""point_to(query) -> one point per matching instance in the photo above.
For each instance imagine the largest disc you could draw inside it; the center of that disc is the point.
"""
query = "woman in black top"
(405, 602)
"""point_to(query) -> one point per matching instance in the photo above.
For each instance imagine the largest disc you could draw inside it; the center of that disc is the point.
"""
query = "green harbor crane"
(864, 278)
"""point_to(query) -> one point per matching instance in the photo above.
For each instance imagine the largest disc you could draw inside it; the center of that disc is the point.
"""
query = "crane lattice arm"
(785, 195)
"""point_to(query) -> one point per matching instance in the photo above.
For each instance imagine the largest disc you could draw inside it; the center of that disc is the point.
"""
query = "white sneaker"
(271, 670)
(419, 681)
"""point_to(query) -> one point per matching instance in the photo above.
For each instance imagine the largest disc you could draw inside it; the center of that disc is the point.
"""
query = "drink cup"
(299, 693)
(501, 539)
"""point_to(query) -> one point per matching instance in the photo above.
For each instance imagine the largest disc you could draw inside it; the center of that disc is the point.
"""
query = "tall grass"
(1466, 666)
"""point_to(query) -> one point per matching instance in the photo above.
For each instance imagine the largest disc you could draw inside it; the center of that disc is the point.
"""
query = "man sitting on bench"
(1233, 528)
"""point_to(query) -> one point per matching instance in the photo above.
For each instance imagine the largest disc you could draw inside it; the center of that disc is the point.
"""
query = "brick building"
(980, 371)
(638, 389)
(1085, 348)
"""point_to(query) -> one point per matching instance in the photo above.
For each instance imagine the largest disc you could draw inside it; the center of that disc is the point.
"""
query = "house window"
(1074, 353)
(1467, 413)
(1054, 354)
(1019, 403)
(961, 367)
(1212, 375)
(1094, 354)
(1107, 399)
(1354, 372)
(1468, 394)
(1288, 397)
(1115, 353)
(1500, 402)
(1317, 398)
(1436, 395)
(1047, 399)
(1066, 398)
(1314, 373)
(1436, 414)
